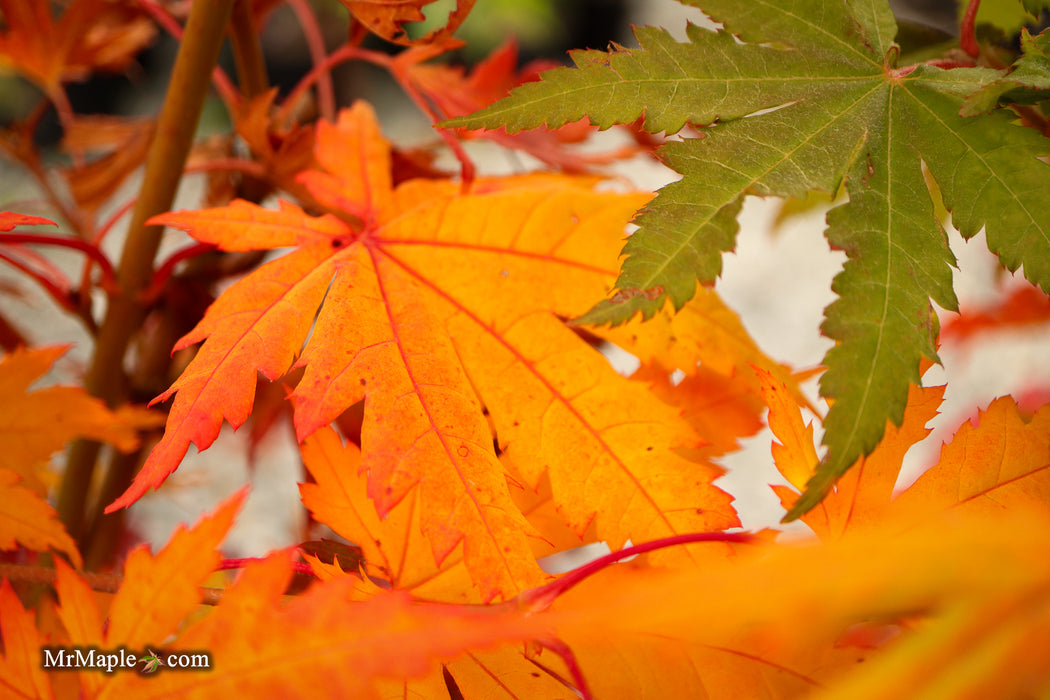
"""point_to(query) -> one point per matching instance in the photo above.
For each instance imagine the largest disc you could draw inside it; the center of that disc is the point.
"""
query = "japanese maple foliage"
(427, 337)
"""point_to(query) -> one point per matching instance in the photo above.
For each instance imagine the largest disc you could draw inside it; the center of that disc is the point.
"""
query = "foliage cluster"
(434, 339)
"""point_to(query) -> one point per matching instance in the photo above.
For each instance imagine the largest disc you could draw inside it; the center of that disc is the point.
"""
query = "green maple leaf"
(150, 662)
(801, 95)
(1027, 81)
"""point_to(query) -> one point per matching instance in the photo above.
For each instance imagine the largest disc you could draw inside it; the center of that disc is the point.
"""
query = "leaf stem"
(537, 599)
(968, 31)
(167, 155)
(109, 275)
(315, 44)
(298, 567)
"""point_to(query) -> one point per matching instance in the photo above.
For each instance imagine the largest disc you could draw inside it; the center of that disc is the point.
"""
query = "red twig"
(298, 566)
(346, 52)
(967, 31)
(164, 272)
(54, 290)
(109, 275)
(112, 221)
(467, 169)
(540, 598)
(315, 43)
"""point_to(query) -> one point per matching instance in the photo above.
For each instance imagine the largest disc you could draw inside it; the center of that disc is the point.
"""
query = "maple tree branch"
(247, 51)
(176, 125)
(103, 583)
(298, 567)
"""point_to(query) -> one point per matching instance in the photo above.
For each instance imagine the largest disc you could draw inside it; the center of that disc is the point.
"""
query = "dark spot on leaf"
(535, 675)
(338, 242)
(649, 448)
(364, 381)
(462, 451)
(389, 490)
(699, 511)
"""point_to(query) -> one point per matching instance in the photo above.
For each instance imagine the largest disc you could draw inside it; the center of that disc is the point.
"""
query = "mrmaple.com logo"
(79, 658)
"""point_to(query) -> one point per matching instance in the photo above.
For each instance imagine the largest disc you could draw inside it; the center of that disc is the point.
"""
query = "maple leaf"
(123, 144)
(9, 219)
(395, 551)
(1026, 81)
(80, 617)
(387, 18)
(979, 578)
(1023, 307)
(322, 644)
(50, 52)
(436, 305)
(1001, 462)
(392, 547)
(453, 93)
(34, 425)
(21, 675)
(801, 96)
(27, 519)
(159, 591)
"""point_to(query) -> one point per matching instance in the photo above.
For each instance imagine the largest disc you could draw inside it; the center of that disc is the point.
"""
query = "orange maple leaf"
(740, 638)
(452, 93)
(50, 52)
(392, 547)
(34, 425)
(436, 305)
(21, 675)
(1024, 306)
(27, 519)
(1000, 463)
(394, 551)
(387, 18)
(159, 591)
(9, 219)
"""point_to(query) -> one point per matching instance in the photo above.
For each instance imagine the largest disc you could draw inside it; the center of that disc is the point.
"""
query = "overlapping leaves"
(792, 97)
(436, 308)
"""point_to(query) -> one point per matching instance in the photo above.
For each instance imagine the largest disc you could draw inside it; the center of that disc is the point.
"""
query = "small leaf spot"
(462, 451)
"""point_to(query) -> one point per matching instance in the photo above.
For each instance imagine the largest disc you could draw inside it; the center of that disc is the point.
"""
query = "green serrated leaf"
(799, 96)
(898, 257)
(1027, 81)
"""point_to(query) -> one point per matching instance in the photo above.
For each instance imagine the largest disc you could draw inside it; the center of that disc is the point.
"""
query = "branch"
(103, 583)
(198, 53)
